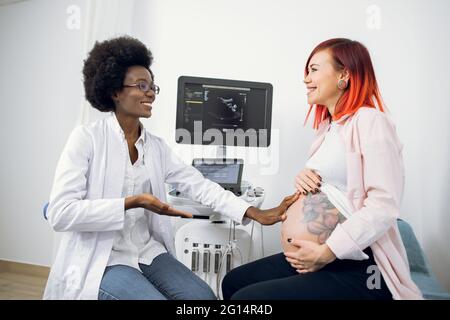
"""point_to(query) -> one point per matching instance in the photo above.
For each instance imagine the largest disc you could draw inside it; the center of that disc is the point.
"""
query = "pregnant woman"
(340, 238)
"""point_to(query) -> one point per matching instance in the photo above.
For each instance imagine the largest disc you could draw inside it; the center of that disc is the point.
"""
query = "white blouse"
(135, 244)
(329, 161)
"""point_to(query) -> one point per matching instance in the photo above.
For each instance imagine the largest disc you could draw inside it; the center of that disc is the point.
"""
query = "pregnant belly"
(312, 217)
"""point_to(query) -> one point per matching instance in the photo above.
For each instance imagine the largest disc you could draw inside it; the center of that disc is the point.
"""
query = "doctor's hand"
(309, 256)
(150, 202)
(274, 215)
(308, 181)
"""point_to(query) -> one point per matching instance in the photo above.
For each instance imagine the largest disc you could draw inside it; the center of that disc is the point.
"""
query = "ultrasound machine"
(221, 113)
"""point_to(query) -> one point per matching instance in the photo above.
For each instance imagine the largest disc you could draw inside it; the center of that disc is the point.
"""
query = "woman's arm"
(68, 210)
(190, 181)
(383, 178)
(273, 215)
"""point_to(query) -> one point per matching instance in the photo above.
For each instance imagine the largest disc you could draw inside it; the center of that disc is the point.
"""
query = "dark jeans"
(273, 278)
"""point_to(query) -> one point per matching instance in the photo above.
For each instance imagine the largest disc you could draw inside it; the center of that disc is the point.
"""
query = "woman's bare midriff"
(312, 217)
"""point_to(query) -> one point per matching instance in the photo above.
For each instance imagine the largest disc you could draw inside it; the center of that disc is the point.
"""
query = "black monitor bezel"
(183, 80)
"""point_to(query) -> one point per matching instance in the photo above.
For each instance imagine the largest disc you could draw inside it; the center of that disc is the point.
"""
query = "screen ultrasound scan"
(241, 109)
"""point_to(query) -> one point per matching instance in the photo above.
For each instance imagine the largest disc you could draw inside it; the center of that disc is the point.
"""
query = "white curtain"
(103, 19)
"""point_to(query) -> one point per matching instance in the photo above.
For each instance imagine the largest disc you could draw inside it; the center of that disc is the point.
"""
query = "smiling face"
(322, 79)
(131, 101)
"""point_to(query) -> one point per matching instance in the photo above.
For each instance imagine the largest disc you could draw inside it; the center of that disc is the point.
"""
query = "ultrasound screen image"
(225, 108)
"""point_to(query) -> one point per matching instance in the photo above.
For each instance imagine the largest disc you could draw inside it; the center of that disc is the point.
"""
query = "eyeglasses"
(144, 86)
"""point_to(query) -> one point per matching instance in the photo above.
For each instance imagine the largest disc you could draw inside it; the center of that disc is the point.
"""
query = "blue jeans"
(164, 279)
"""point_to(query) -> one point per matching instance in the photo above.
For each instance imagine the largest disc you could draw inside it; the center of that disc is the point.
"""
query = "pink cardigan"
(375, 180)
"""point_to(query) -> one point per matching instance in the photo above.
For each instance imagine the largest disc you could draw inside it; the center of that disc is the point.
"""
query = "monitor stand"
(221, 152)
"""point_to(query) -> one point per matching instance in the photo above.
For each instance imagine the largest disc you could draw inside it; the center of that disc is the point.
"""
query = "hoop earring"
(342, 84)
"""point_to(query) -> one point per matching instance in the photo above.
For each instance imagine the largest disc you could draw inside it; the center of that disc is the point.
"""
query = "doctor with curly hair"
(108, 196)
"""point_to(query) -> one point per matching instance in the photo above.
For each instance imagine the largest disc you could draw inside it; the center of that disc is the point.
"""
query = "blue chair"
(421, 272)
(44, 211)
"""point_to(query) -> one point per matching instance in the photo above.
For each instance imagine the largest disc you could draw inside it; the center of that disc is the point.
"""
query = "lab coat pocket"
(355, 181)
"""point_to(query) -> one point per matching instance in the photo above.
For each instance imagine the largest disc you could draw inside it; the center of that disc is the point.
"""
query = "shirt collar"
(141, 142)
(326, 124)
(342, 119)
(116, 126)
(142, 136)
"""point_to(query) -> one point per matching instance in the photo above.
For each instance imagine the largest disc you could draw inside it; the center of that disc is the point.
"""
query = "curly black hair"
(106, 65)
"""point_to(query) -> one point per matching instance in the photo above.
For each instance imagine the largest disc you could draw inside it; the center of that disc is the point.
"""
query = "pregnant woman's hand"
(308, 181)
(150, 202)
(274, 215)
(309, 256)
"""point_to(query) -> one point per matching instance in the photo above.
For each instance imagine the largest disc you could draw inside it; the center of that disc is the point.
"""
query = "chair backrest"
(416, 256)
(44, 211)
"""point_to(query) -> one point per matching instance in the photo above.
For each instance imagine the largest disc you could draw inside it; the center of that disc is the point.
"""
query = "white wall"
(253, 40)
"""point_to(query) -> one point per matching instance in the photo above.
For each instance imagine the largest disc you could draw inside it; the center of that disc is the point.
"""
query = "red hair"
(362, 88)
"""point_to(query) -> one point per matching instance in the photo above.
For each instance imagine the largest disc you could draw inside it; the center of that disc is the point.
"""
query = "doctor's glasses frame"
(144, 86)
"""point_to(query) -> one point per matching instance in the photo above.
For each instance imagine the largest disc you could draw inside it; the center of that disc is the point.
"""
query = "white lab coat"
(86, 204)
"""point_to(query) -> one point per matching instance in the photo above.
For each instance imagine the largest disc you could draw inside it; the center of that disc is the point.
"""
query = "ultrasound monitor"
(223, 112)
